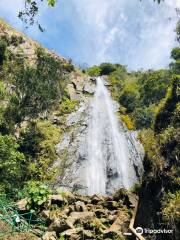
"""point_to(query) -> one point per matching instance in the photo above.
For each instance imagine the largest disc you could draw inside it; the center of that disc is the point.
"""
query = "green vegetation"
(37, 142)
(171, 208)
(150, 102)
(11, 164)
(37, 195)
(67, 105)
(3, 46)
(139, 93)
(30, 90)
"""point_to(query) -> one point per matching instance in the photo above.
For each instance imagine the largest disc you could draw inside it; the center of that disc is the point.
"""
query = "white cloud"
(133, 33)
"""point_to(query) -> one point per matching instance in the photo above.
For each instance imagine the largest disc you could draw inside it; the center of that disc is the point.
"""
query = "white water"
(109, 161)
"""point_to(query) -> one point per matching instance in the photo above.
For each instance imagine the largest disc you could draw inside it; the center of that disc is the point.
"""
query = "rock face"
(73, 147)
(94, 217)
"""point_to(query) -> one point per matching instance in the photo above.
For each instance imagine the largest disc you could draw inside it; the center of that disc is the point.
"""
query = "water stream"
(98, 153)
(109, 158)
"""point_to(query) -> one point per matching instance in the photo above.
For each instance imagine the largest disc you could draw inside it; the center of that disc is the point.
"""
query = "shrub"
(3, 46)
(16, 40)
(168, 107)
(153, 161)
(107, 68)
(93, 71)
(3, 92)
(11, 163)
(39, 87)
(129, 99)
(67, 105)
(171, 208)
(37, 195)
(128, 122)
(144, 117)
(38, 143)
(153, 86)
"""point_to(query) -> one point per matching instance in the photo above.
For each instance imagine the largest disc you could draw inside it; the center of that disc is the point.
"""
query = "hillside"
(55, 118)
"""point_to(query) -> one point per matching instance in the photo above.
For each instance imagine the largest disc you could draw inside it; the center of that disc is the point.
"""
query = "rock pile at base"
(76, 217)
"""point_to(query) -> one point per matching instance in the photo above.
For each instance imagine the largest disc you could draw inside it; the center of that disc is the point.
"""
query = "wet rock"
(70, 197)
(49, 236)
(89, 88)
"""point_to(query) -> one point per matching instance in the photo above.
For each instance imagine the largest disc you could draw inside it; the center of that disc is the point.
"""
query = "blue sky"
(130, 32)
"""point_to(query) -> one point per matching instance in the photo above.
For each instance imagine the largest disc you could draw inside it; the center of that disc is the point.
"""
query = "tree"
(3, 46)
(41, 86)
(11, 163)
(30, 11)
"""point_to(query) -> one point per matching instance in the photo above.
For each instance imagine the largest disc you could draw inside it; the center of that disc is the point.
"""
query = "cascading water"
(109, 163)
(98, 154)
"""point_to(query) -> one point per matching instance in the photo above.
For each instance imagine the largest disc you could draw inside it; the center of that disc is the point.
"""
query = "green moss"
(38, 143)
(128, 121)
(67, 105)
(153, 161)
(50, 137)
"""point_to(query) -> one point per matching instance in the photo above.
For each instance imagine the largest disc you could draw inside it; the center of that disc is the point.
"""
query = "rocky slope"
(73, 147)
(21, 45)
(60, 153)
(72, 216)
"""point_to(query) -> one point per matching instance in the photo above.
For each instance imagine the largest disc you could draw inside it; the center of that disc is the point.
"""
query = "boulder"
(70, 197)
(119, 225)
(72, 91)
(22, 205)
(90, 207)
(95, 199)
(111, 205)
(71, 208)
(129, 199)
(49, 236)
(77, 234)
(60, 225)
(45, 214)
(100, 213)
(83, 216)
(58, 200)
(80, 207)
(71, 234)
(89, 88)
(82, 198)
(110, 234)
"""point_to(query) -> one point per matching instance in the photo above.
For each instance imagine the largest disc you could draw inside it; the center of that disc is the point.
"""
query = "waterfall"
(109, 160)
